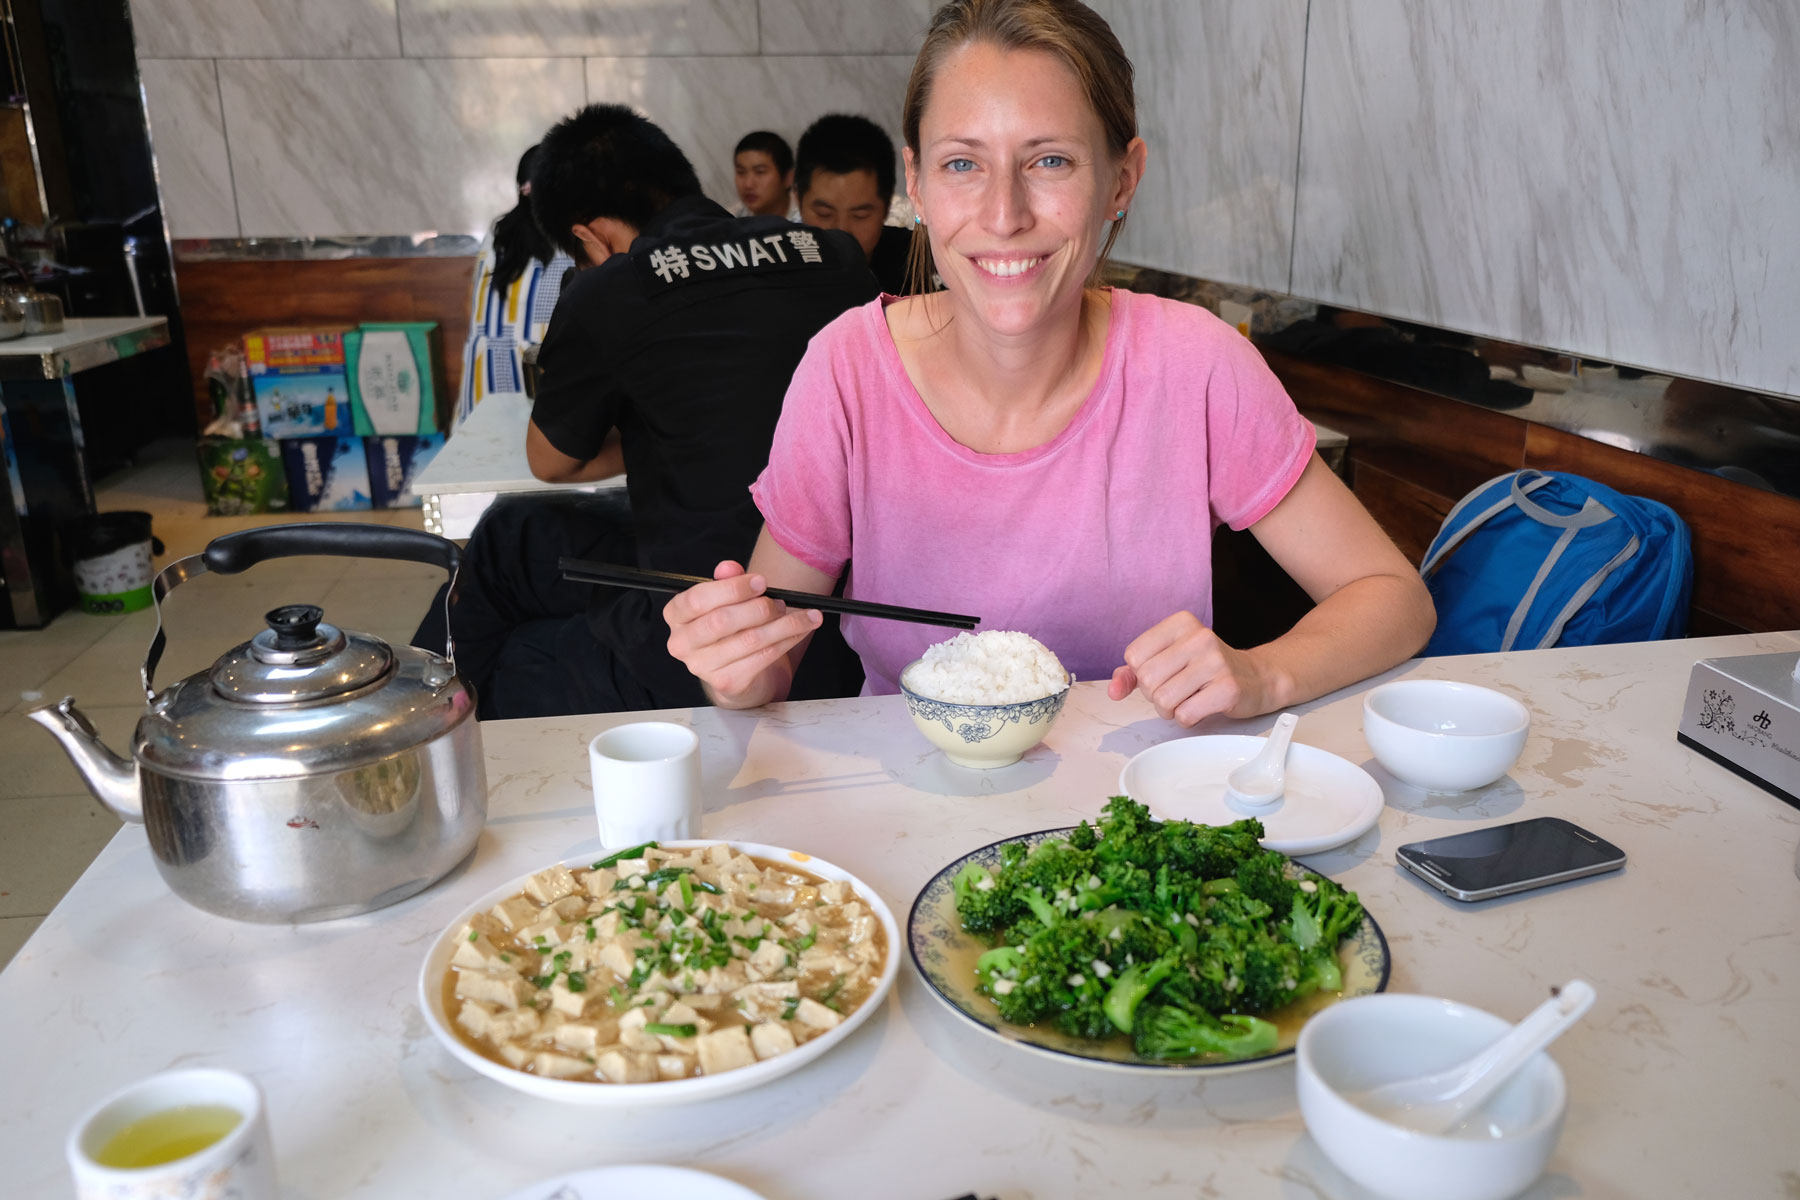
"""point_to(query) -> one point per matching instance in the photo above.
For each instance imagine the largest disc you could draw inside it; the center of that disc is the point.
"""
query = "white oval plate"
(1329, 800)
(608, 1183)
(670, 1091)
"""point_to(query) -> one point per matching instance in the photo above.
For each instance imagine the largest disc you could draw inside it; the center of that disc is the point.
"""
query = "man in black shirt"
(668, 357)
(844, 178)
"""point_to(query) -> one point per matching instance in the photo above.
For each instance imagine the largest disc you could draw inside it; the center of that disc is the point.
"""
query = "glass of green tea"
(164, 1135)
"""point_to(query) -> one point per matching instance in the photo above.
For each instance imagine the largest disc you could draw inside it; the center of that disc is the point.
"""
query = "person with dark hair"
(667, 358)
(844, 176)
(517, 280)
(763, 169)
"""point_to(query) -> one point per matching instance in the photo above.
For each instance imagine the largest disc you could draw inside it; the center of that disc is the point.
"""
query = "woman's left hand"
(1189, 673)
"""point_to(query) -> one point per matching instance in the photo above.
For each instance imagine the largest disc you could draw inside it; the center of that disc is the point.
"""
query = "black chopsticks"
(579, 570)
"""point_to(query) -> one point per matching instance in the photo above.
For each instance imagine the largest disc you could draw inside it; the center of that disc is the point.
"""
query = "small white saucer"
(608, 1183)
(1329, 800)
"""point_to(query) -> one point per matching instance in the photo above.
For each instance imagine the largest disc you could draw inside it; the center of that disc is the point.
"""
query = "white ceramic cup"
(240, 1165)
(646, 783)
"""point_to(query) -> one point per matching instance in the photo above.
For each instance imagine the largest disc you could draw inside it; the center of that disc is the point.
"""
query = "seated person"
(1024, 445)
(763, 169)
(844, 175)
(667, 357)
(517, 282)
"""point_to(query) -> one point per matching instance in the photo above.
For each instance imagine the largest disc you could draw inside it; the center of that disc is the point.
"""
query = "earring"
(918, 220)
(1119, 216)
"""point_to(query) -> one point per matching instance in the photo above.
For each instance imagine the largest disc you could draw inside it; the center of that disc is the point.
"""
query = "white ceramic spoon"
(1261, 781)
(1435, 1103)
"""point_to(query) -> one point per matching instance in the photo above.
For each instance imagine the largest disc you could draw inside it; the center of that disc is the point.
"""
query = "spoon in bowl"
(1262, 780)
(1435, 1103)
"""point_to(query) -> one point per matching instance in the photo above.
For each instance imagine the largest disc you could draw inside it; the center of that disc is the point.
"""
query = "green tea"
(169, 1135)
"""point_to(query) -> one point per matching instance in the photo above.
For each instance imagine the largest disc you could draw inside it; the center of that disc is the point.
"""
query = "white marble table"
(483, 460)
(1682, 1079)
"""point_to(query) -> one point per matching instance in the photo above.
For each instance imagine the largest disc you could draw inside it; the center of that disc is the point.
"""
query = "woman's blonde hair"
(1068, 29)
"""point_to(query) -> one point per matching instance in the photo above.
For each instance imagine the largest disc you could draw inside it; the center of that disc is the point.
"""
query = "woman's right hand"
(735, 639)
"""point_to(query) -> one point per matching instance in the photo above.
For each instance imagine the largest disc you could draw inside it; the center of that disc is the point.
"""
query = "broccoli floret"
(1272, 973)
(1131, 988)
(1167, 1031)
(1210, 851)
(1002, 962)
(983, 902)
(1323, 915)
(1057, 979)
(1265, 876)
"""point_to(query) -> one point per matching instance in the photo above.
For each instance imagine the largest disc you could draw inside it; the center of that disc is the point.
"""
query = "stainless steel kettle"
(311, 773)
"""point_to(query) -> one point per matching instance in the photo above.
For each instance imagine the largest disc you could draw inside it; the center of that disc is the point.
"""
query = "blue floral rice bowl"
(985, 699)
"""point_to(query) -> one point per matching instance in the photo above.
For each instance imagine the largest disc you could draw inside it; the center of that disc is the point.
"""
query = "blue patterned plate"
(945, 956)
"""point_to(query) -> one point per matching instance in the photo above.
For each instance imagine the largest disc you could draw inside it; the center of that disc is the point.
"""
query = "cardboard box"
(241, 475)
(395, 378)
(326, 474)
(298, 378)
(394, 462)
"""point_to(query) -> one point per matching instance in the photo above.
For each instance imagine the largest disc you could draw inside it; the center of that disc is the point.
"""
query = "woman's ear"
(911, 162)
(1131, 173)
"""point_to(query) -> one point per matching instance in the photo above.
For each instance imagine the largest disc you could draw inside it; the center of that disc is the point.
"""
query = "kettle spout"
(112, 779)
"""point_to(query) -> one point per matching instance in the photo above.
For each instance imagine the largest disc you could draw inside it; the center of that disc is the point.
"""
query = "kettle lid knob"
(295, 625)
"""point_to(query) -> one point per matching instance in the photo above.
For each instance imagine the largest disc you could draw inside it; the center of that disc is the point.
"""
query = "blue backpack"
(1550, 559)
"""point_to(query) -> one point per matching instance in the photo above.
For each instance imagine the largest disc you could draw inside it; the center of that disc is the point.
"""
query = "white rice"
(991, 667)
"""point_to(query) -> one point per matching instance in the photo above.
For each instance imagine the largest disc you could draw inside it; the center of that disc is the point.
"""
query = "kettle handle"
(235, 552)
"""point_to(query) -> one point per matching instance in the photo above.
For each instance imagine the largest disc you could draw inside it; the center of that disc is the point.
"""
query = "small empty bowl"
(1371, 1040)
(1443, 736)
(983, 735)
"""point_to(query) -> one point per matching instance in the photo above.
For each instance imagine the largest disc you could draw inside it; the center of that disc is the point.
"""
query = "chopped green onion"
(591, 931)
(542, 981)
(712, 888)
(618, 997)
(790, 1007)
(687, 893)
(474, 934)
(672, 1030)
(506, 958)
(621, 856)
(826, 998)
(577, 981)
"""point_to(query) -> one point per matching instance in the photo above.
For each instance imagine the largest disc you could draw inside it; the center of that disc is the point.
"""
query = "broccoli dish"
(1181, 937)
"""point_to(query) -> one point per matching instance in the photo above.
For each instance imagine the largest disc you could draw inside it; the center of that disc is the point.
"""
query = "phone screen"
(1510, 858)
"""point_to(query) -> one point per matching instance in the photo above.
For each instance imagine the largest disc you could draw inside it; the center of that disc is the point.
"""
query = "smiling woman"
(1053, 454)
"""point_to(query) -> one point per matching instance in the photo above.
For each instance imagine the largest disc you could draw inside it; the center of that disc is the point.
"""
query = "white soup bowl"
(1444, 736)
(1371, 1040)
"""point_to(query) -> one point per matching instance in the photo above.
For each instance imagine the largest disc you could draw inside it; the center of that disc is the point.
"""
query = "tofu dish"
(657, 964)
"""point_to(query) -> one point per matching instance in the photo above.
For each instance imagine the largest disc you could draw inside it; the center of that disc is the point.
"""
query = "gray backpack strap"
(1513, 496)
(1592, 513)
(1585, 592)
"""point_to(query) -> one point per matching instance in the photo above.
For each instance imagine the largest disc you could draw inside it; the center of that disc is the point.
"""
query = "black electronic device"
(1503, 859)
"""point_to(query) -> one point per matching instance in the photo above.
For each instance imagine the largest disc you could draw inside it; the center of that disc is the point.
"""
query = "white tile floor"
(53, 826)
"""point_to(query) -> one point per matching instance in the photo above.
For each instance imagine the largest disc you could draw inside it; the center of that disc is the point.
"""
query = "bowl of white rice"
(985, 698)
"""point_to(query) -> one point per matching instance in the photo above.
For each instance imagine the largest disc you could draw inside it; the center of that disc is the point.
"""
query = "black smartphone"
(1485, 863)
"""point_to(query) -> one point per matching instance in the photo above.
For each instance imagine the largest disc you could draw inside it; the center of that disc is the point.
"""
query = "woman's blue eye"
(1053, 160)
(959, 165)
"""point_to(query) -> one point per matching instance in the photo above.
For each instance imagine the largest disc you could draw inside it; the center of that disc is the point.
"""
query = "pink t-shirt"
(1083, 542)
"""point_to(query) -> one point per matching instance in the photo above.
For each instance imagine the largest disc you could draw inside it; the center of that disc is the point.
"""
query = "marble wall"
(1619, 179)
(367, 117)
(1614, 179)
